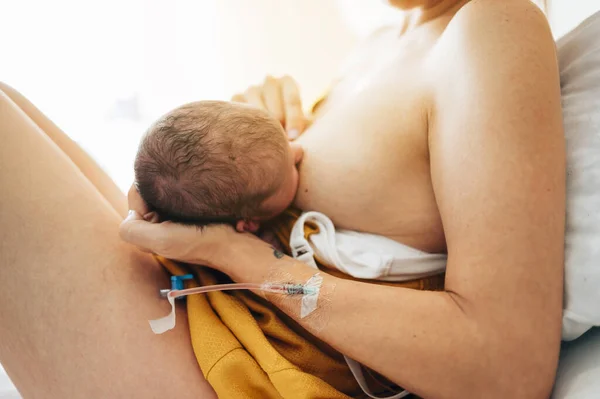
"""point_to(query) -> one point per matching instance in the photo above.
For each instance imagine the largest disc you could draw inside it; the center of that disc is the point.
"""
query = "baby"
(216, 161)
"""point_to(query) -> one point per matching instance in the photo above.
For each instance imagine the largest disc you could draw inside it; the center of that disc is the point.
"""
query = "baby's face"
(286, 192)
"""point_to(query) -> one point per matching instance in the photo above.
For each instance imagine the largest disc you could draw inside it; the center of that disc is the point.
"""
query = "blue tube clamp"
(176, 284)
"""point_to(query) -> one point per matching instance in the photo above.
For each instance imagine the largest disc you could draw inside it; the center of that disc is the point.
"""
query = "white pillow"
(578, 375)
(579, 59)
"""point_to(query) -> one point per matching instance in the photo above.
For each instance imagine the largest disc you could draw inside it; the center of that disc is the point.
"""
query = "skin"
(74, 300)
(488, 166)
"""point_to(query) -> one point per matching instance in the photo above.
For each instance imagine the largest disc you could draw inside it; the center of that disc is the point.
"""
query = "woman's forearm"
(421, 340)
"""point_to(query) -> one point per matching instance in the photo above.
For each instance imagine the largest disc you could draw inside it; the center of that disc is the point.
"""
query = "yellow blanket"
(247, 348)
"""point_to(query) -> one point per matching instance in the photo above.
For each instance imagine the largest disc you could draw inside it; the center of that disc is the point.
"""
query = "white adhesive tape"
(310, 299)
(166, 323)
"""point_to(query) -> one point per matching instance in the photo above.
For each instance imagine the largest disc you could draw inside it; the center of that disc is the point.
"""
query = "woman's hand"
(281, 98)
(203, 246)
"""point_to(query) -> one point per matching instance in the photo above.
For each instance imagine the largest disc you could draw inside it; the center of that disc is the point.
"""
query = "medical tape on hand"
(311, 295)
(311, 309)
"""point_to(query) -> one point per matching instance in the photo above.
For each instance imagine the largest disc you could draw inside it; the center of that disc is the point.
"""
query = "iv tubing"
(309, 292)
(286, 289)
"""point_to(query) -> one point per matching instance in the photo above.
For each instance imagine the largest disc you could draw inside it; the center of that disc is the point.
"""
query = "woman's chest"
(366, 160)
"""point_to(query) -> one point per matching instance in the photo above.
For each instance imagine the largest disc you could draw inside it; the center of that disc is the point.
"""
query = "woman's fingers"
(281, 98)
(141, 233)
(254, 97)
(238, 98)
(271, 94)
(166, 239)
(292, 105)
(136, 202)
(177, 241)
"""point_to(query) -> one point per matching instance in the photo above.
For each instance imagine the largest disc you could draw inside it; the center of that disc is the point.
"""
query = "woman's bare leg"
(94, 173)
(74, 300)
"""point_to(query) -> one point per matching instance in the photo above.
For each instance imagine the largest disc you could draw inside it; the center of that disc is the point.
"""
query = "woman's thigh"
(74, 300)
(92, 171)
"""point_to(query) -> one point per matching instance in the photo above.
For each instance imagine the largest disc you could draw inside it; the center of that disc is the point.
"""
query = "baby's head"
(215, 160)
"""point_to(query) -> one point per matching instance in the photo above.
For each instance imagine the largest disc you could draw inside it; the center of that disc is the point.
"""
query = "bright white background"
(104, 70)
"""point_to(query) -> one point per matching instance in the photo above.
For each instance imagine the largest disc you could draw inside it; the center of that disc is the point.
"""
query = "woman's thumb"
(137, 231)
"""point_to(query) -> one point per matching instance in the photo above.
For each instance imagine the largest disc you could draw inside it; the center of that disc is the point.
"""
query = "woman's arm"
(498, 170)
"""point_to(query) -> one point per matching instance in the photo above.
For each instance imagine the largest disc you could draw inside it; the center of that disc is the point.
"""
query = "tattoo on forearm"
(277, 253)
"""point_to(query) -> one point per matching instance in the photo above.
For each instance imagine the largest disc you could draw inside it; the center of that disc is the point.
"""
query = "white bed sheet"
(7, 389)
(579, 368)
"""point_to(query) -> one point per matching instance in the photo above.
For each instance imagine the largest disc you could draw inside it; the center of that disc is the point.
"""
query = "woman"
(445, 134)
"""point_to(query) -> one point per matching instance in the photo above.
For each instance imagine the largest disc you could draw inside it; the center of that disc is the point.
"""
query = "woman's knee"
(6, 98)
(5, 89)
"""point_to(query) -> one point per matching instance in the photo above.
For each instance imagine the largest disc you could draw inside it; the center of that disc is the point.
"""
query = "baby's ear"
(240, 226)
(250, 226)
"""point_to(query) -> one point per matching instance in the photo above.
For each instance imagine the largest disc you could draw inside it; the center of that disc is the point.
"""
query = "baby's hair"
(210, 160)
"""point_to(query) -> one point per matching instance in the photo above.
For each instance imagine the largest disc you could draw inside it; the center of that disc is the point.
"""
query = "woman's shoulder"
(495, 8)
(488, 17)
(490, 45)
(488, 31)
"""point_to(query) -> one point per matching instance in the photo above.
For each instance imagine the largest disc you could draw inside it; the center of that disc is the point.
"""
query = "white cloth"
(361, 255)
(579, 59)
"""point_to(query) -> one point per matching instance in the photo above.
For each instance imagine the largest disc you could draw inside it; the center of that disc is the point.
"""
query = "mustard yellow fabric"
(247, 348)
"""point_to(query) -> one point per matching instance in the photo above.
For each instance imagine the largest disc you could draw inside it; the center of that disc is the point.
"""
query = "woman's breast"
(366, 167)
